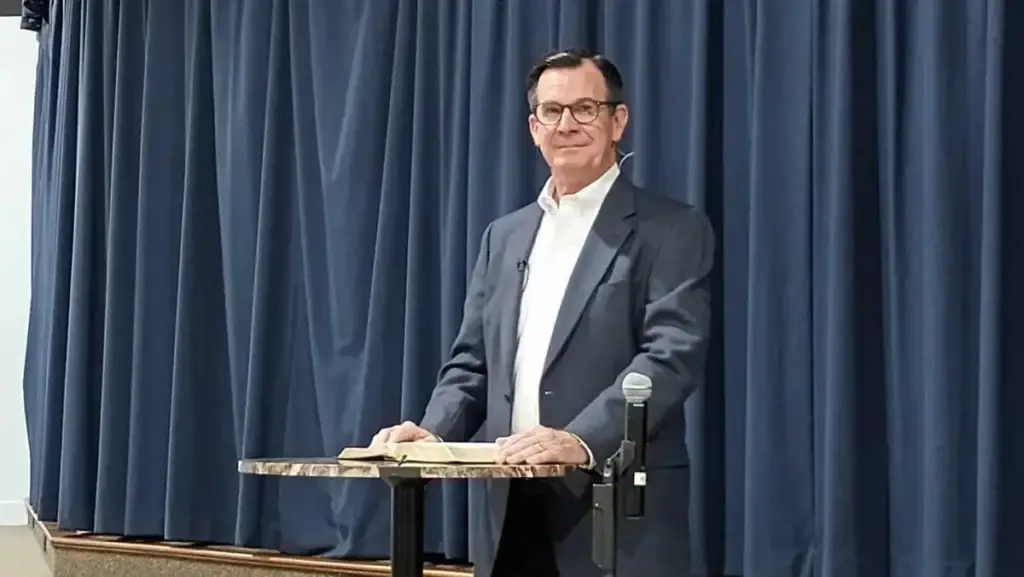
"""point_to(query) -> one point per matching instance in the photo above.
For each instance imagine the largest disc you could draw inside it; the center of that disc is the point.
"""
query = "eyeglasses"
(583, 111)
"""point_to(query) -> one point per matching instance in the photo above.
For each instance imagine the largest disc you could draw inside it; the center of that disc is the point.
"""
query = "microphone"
(523, 267)
(624, 478)
(636, 388)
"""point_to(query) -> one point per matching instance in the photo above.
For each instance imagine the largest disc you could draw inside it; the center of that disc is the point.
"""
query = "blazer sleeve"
(673, 345)
(458, 405)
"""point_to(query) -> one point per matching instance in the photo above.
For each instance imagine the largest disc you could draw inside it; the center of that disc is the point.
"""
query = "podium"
(407, 482)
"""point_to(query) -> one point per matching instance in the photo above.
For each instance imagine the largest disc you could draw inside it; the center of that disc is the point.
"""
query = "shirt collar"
(589, 196)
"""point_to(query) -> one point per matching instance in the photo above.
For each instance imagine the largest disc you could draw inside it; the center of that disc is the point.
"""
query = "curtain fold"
(253, 225)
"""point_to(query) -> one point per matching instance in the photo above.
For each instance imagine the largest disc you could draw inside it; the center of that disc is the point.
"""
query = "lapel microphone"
(523, 268)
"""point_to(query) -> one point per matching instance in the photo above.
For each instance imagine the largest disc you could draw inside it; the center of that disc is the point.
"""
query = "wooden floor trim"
(86, 542)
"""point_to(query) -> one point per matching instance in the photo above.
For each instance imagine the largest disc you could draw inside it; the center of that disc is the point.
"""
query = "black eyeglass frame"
(599, 104)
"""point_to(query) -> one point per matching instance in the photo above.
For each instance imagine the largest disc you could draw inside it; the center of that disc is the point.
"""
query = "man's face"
(582, 135)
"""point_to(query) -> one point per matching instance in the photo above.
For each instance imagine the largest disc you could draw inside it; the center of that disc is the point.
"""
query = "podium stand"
(407, 482)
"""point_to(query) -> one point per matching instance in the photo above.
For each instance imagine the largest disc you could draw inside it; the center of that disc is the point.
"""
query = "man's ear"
(621, 119)
(531, 121)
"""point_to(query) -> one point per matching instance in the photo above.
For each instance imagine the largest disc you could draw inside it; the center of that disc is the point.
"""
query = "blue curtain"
(253, 222)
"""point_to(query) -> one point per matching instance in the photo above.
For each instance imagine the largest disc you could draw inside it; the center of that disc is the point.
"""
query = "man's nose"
(567, 123)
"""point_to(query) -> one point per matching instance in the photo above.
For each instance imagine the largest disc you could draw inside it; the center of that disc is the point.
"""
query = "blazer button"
(548, 393)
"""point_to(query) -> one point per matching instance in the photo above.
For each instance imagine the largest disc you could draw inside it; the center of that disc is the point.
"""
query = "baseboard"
(12, 514)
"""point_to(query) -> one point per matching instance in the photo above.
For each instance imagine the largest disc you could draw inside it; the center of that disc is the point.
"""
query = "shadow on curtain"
(252, 226)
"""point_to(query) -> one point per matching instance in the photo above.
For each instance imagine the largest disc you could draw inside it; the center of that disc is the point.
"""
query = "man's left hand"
(541, 446)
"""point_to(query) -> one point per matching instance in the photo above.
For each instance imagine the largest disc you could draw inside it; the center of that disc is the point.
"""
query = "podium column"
(407, 517)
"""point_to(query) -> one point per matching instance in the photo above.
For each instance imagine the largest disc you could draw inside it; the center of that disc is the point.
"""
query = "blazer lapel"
(611, 228)
(518, 248)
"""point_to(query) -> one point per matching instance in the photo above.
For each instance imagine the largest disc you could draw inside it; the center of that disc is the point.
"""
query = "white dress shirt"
(564, 228)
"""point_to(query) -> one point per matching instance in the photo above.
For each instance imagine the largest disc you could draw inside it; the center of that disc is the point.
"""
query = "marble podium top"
(331, 467)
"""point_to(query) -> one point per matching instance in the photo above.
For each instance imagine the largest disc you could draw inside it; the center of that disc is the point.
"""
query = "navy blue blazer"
(637, 301)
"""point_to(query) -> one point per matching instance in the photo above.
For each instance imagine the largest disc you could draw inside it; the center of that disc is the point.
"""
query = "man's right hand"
(406, 432)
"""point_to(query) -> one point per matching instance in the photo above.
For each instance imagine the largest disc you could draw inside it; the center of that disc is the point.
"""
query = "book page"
(371, 452)
(425, 452)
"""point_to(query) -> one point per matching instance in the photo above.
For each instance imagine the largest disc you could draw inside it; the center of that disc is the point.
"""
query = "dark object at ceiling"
(33, 13)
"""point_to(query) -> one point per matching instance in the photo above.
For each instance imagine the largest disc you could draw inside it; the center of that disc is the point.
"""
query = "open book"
(424, 452)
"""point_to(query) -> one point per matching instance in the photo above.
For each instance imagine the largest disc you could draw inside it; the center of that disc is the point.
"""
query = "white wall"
(17, 88)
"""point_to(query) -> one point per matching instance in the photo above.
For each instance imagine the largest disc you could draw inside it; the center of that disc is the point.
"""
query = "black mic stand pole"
(606, 508)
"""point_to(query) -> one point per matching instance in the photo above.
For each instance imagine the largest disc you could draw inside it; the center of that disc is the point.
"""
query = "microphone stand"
(606, 507)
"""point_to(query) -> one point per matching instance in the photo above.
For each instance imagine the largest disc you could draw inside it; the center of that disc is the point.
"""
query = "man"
(595, 280)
